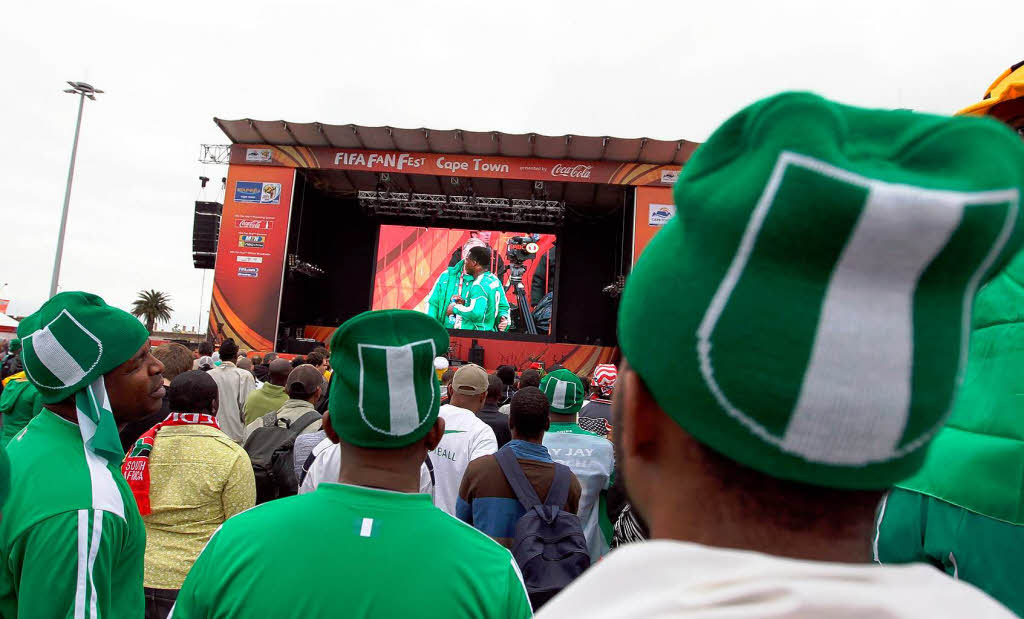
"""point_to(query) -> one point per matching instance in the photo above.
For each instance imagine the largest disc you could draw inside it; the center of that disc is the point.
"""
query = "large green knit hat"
(67, 346)
(564, 391)
(14, 346)
(806, 312)
(384, 393)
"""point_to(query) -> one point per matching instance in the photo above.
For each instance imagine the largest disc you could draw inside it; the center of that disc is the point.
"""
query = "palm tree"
(153, 307)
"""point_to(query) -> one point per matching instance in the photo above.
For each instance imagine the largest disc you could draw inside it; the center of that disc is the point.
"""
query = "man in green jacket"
(71, 534)
(271, 396)
(19, 403)
(468, 296)
(963, 512)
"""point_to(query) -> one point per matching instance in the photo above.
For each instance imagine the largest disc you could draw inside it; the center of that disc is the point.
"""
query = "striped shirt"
(71, 535)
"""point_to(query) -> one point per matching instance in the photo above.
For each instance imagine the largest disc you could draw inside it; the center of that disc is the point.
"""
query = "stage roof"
(458, 142)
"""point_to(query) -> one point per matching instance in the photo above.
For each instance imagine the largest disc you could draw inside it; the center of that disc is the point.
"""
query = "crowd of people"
(791, 345)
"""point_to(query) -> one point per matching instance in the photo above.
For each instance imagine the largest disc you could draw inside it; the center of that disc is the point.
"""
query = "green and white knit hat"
(564, 391)
(806, 312)
(14, 346)
(67, 346)
(384, 392)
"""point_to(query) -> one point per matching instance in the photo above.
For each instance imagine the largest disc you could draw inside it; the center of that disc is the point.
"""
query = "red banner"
(251, 255)
(474, 166)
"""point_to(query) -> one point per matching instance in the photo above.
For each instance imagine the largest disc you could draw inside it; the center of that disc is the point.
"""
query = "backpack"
(548, 546)
(270, 450)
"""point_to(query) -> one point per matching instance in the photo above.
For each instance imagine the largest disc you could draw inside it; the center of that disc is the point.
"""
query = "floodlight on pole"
(83, 90)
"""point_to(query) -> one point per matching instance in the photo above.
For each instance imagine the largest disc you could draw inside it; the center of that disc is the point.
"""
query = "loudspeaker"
(476, 354)
(205, 234)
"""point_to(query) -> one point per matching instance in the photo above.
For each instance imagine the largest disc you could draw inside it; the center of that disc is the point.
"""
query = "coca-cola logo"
(254, 224)
(572, 171)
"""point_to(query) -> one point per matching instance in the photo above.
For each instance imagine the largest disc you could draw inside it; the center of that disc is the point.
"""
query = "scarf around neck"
(136, 465)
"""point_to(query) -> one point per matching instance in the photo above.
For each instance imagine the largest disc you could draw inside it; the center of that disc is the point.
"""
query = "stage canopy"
(8, 324)
(460, 142)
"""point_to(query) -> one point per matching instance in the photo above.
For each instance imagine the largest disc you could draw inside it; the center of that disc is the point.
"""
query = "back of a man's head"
(205, 349)
(297, 361)
(304, 383)
(245, 363)
(507, 374)
(528, 414)
(279, 370)
(270, 356)
(386, 420)
(447, 376)
(529, 378)
(480, 255)
(193, 391)
(315, 359)
(495, 387)
(786, 425)
(176, 358)
(256, 360)
(228, 350)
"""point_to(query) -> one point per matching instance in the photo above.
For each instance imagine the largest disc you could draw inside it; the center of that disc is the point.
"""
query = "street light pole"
(83, 90)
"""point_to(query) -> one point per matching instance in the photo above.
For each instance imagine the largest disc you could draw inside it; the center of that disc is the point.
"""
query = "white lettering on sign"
(576, 171)
(395, 161)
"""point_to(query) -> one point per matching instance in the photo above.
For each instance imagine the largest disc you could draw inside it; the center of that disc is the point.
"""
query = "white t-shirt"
(327, 465)
(466, 438)
(678, 579)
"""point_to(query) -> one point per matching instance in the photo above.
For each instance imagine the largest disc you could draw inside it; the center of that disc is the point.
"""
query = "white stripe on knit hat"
(866, 329)
(558, 397)
(57, 360)
(401, 390)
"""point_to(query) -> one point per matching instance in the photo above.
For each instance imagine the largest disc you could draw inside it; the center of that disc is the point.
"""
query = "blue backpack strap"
(558, 493)
(517, 478)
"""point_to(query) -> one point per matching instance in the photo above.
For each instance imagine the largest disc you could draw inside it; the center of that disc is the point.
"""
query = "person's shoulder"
(483, 465)
(297, 510)
(471, 546)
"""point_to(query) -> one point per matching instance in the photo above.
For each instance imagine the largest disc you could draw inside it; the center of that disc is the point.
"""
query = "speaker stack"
(205, 233)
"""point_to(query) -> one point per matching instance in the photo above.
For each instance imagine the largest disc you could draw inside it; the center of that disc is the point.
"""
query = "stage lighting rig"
(301, 267)
(462, 207)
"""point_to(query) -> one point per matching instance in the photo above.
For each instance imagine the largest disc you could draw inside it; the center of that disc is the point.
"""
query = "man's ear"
(433, 437)
(328, 428)
(639, 411)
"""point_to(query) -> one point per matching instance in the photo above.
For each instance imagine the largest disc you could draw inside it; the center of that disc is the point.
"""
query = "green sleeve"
(56, 572)
(517, 604)
(436, 306)
(503, 309)
(195, 597)
(476, 305)
(899, 528)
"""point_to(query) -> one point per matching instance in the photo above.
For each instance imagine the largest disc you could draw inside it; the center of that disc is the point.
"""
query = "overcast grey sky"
(626, 68)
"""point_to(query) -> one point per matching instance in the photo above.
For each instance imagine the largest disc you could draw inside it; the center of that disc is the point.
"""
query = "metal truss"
(461, 207)
(215, 153)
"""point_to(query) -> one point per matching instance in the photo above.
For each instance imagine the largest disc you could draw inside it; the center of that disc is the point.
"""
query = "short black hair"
(314, 358)
(494, 388)
(506, 373)
(192, 392)
(530, 378)
(270, 356)
(297, 361)
(205, 349)
(228, 350)
(480, 255)
(528, 413)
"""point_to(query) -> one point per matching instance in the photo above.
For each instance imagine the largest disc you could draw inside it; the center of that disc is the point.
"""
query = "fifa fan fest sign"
(471, 166)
